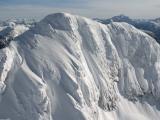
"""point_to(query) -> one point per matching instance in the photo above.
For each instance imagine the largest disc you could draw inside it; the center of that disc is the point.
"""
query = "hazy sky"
(89, 8)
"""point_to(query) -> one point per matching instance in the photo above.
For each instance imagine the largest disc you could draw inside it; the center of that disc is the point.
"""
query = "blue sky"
(89, 8)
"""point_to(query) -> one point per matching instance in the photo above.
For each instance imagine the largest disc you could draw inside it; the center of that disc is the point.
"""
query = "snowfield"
(69, 67)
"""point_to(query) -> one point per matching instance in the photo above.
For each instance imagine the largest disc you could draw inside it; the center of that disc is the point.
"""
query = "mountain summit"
(69, 67)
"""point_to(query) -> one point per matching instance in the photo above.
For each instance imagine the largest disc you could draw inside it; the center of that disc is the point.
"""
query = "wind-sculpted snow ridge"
(72, 68)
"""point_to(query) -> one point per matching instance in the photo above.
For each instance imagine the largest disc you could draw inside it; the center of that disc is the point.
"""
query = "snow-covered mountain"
(69, 67)
(10, 31)
(150, 26)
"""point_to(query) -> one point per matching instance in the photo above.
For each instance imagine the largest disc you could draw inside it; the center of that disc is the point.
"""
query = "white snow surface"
(69, 67)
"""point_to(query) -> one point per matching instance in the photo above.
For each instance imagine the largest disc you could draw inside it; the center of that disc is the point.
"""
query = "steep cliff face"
(72, 68)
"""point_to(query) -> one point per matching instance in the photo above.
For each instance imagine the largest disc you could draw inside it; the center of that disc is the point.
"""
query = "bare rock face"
(72, 68)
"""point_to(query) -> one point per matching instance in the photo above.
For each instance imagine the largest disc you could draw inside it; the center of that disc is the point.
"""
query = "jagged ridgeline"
(149, 26)
(69, 67)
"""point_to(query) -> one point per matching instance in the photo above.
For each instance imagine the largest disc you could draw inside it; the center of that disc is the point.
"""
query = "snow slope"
(69, 67)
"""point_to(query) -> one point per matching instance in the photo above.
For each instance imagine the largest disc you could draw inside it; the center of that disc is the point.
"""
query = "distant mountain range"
(150, 26)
